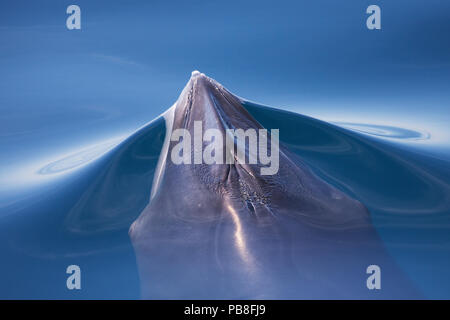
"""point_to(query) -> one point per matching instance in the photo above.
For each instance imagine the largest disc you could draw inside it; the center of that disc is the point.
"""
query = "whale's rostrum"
(227, 231)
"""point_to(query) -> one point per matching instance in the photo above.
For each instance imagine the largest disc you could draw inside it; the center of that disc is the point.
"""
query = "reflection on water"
(83, 217)
(385, 131)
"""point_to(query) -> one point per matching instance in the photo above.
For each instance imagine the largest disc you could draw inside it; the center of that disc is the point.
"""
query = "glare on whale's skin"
(226, 231)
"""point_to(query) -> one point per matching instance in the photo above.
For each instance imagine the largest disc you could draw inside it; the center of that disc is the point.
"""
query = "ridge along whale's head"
(226, 230)
(234, 177)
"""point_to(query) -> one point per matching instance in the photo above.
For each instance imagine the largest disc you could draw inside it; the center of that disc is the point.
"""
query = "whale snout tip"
(197, 73)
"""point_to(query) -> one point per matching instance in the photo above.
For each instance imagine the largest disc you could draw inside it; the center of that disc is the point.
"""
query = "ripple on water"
(77, 159)
(384, 131)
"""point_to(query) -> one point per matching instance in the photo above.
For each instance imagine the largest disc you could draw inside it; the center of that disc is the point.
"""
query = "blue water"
(77, 209)
(76, 170)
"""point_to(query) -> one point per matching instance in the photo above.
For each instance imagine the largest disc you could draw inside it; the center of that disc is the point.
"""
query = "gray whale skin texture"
(224, 231)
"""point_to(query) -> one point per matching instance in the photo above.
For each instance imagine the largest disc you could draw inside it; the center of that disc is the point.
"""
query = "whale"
(227, 231)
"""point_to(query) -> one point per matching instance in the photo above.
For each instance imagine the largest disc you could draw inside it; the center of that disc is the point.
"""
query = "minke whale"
(226, 231)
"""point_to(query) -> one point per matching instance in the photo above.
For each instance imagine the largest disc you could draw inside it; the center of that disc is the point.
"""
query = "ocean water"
(77, 150)
(77, 209)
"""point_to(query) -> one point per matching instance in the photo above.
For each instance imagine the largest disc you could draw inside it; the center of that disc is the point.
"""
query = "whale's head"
(230, 205)
(214, 146)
